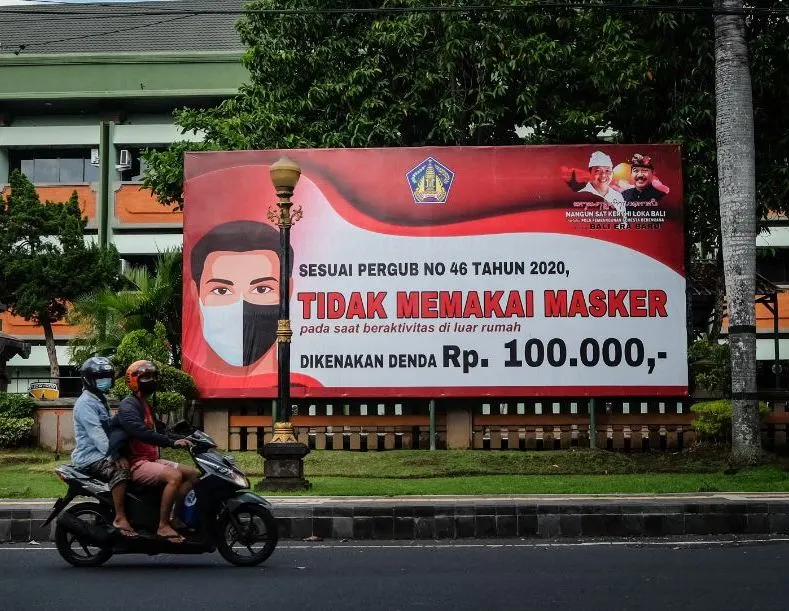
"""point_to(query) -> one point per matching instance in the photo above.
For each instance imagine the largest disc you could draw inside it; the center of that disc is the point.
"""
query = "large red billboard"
(449, 271)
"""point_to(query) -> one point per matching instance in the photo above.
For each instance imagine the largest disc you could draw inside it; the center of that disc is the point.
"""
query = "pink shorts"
(150, 472)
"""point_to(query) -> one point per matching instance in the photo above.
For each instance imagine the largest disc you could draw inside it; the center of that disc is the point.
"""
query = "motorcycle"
(221, 513)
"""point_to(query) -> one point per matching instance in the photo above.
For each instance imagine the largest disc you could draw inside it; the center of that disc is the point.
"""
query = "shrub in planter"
(16, 420)
(16, 406)
(176, 387)
(142, 345)
(713, 418)
(15, 432)
(710, 367)
(171, 403)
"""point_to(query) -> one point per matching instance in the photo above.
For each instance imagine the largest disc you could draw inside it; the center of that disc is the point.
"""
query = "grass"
(29, 473)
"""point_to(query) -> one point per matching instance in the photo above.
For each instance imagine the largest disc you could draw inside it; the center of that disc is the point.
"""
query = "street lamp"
(285, 174)
(284, 466)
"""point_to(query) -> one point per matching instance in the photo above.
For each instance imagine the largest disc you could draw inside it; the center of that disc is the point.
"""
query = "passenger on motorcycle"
(91, 435)
(134, 427)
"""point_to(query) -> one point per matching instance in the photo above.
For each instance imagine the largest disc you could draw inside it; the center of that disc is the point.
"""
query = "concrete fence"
(618, 425)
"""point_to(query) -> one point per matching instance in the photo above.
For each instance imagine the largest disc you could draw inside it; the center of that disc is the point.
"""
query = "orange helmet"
(142, 376)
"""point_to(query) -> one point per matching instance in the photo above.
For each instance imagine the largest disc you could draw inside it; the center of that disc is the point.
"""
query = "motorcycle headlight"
(240, 479)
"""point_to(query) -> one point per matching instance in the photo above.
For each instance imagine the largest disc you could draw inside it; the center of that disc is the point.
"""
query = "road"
(703, 574)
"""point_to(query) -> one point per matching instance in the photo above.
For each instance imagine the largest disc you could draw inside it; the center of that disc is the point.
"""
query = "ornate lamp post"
(284, 455)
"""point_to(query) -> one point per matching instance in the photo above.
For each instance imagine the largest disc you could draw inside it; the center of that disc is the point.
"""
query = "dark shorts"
(109, 471)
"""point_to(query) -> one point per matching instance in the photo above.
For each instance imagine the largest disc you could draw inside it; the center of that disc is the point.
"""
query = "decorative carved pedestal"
(283, 457)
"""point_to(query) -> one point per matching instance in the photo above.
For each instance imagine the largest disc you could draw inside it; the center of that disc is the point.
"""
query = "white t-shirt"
(612, 197)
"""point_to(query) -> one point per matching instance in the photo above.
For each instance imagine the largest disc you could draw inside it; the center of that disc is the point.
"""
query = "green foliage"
(710, 366)
(175, 386)
(171, 379)
(416, 79)
(16, 406)
(564, 76)
(713, 418)
(177, 381)
(144, 300)
(120, 389)
(16, 420)
(164, 402)
(46, 263)
(142, 345)
(15, 432)
(164, 172)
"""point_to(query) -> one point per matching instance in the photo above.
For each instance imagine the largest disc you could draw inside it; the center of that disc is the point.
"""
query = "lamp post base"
(283, 456)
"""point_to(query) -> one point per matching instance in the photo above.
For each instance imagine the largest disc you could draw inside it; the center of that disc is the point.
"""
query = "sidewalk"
(458, 517)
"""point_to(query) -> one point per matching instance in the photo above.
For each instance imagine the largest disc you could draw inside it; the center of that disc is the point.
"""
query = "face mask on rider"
(241, 332)
(104, 384)
(148, 387)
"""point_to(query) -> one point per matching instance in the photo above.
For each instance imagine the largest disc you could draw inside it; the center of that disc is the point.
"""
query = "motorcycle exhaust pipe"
(84, 532)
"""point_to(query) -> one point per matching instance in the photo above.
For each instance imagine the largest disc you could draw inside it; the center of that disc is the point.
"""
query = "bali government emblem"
(430, 182)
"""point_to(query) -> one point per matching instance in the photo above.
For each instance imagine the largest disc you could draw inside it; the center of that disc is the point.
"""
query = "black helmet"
(97, 368)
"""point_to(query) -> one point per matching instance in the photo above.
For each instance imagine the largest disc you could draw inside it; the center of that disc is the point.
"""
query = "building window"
(146, 261)
(54, 167)
(774, 265)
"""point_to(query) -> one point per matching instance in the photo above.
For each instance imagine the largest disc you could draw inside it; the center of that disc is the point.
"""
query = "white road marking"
(482, 545)
(482, 499)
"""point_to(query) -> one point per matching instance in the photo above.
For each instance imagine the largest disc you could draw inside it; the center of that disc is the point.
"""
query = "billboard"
(449, 271)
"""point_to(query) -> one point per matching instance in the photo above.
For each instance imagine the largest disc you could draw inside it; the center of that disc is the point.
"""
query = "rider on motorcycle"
(135, 425)
(91, 434)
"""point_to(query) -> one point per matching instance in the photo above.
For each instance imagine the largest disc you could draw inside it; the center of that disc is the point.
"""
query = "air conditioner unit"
(94, 157)
(125, 161)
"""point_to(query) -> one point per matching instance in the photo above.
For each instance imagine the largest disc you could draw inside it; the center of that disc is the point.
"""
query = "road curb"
(431, 519)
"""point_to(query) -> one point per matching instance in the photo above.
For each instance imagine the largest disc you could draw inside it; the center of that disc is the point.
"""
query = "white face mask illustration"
(240, 332)
(223, 329)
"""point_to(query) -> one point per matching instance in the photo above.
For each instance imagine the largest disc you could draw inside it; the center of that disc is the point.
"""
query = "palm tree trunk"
(49, 340)
(737, 192)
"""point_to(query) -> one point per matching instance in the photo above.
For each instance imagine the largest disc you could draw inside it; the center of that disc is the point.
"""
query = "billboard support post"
(432, 424)
(592, 425)
(284, 455)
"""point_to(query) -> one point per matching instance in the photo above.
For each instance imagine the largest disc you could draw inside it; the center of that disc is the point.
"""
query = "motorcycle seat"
(77, 473)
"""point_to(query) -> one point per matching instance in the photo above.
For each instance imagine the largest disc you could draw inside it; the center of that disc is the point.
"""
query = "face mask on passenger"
(104, 384)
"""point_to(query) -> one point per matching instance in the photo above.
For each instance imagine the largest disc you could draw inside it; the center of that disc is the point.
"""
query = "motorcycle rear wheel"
(258, 524)
(65, 541)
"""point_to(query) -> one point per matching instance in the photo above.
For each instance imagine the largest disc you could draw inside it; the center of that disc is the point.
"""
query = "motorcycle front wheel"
(256, 540)
(75, 552)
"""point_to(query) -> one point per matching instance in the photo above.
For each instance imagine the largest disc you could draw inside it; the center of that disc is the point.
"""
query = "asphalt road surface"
(676, 575)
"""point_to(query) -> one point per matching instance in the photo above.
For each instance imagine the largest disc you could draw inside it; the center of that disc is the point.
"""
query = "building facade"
(84, 89)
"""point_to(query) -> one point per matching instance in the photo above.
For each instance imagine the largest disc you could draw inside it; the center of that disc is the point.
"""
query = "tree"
(737, 187)
(46, 263)
(176, 387)
(106, 316)
(563, 75)
(360, 80)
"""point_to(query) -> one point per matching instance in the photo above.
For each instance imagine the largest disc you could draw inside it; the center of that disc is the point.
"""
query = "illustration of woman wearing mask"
(236, 270)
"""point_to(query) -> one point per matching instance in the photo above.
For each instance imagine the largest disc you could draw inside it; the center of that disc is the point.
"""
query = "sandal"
(126, 532)
(171, 538)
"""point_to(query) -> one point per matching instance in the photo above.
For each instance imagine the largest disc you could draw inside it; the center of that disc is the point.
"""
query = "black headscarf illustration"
(259, 321)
